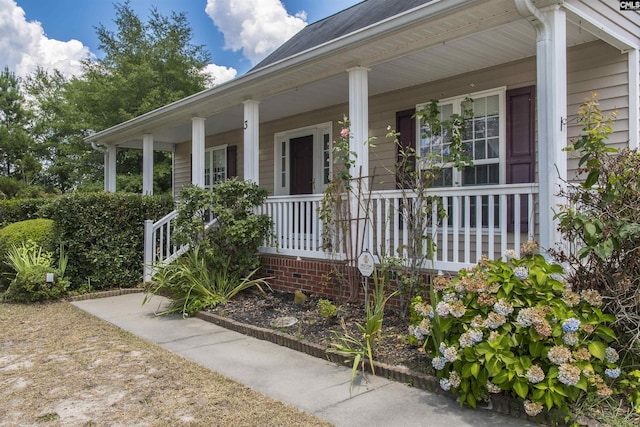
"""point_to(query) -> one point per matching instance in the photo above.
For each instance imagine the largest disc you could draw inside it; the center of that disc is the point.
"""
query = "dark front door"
(301, 152)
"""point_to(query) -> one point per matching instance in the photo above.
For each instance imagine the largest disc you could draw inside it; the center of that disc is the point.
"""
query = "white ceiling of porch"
(465, 42)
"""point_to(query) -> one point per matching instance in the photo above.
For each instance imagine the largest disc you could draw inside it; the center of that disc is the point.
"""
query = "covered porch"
(438, 50)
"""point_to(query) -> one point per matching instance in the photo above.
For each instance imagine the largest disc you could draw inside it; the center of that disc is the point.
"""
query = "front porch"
(478, 221)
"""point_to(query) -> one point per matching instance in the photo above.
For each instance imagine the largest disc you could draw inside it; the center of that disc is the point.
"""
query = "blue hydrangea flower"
(571, 325)
(445, 384)
(521, 272)
(612, 373)
(611, 354)
(438, 363)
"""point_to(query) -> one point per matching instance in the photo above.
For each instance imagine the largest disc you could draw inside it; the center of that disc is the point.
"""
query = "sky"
(237, 33)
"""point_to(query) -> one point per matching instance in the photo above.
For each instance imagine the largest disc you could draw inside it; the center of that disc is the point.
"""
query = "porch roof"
(432, 41)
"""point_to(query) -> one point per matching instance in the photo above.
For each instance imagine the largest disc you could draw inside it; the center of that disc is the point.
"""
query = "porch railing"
(483, 220)
(159, 245)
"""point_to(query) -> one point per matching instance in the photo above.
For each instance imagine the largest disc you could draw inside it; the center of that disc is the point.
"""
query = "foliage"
(327, 308)
(194, 283)
(514, 326)
(16, 145)
(31, 265)
(416, 174)
(58, 128)
(602, 220)
(238, 231)
(345, 209)
(364, 346)
(144, 66)
(39, 231)
(104, 235)
(15, 210)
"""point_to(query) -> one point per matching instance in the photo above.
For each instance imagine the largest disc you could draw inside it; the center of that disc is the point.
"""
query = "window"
(215, 166)
(483, 141)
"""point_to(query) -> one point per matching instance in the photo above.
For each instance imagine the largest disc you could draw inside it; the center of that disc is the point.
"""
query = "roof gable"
(352, 19)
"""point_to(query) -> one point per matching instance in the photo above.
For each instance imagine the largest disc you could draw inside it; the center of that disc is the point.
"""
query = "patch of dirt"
(253, 308)
(60, 366)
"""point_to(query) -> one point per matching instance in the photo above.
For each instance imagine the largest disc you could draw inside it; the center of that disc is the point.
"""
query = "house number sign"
(365, 263)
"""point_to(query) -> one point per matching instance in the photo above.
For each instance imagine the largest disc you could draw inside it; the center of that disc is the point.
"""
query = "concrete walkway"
(314, 385)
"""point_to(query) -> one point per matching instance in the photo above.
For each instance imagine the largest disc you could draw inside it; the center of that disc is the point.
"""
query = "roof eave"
(430, 11)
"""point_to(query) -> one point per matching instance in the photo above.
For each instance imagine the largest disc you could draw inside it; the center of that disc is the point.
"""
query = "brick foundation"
(316, 277)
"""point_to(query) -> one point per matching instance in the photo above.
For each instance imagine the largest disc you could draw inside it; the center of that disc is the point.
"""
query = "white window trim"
(318, 156)
(502, 110)
(207, 152)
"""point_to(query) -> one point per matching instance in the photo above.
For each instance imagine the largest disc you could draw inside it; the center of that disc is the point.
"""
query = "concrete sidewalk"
(314, 385)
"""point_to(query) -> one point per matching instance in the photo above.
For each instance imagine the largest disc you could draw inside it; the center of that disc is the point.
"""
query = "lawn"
(61, 366)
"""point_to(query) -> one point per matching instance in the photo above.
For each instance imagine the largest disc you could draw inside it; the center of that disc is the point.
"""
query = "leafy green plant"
(513, 325)
(238, 231)
(327, 308)
(195, 284)
(15, 210)
(363, 345)
(602, 221)
(40, 231)
(32, 265)
(103, 234)
(415, 174)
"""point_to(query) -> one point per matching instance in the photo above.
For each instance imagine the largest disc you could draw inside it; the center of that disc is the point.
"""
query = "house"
(527, 65)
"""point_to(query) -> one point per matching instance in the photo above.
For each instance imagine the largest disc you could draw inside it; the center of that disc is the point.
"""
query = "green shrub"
(327, 308)
(20, 209)
(103, 233)
(40, 231)
(10, 186)
(32, 265)
(602, 221)
(514, 326)
(233, 242)
(195, 284)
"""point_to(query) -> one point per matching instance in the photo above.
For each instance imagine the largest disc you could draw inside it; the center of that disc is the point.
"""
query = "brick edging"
(104, 294)
(501, 403)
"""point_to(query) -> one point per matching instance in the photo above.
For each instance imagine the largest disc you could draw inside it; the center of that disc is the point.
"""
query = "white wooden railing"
(483, 220)
(159, 247)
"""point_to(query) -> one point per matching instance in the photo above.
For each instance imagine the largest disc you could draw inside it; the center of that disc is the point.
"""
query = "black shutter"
(232, 161)
(521, 155)
(406, 125)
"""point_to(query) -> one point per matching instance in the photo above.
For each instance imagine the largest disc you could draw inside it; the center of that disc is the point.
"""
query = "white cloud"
(24, 45)
(255, 27)
(220, 73)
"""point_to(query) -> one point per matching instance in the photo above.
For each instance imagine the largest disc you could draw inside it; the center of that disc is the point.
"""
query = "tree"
(145, 66)
(15, 140)
(58, 130)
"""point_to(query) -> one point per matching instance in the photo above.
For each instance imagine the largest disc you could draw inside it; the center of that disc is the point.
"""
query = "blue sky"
(237, 33)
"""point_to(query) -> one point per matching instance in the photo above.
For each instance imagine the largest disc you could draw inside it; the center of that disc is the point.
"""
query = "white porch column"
(551, 87)
(197, 151)
(634, 95)
(251, 140)
(359, 134)
(110, 168)
(147, 164)
(359, 119)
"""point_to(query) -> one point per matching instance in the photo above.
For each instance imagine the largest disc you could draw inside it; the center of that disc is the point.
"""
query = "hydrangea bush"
(513, 325)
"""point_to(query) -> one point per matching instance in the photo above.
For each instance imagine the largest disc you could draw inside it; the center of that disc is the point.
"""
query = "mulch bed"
(257, 309)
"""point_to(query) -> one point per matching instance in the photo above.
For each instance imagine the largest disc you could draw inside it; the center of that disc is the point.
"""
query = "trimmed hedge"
(39, 230)
(103, 235)
(15, 210)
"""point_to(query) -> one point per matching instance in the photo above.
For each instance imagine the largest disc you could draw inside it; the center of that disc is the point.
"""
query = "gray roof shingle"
(354, 18)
